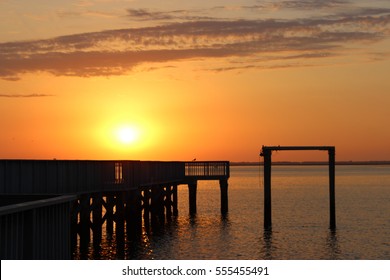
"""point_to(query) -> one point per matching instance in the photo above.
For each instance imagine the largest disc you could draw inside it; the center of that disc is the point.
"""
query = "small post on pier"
(192, 186)
(223, 184)
(267, 188)
(332, 199)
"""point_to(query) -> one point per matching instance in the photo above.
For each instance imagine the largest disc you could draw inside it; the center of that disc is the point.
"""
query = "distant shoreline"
(311, 163)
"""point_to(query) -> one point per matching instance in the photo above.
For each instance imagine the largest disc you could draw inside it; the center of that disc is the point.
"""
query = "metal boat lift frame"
(266, 152)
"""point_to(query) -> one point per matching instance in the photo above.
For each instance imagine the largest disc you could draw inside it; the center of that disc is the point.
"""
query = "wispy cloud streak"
(116, 52)
(309, 4)
(33, 95)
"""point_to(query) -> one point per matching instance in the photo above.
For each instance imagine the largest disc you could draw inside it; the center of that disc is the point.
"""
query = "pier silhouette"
(47, 205)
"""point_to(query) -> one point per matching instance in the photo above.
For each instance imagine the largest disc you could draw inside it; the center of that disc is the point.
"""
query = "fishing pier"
(47, 205)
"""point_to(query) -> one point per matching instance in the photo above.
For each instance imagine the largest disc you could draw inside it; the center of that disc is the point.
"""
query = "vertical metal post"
(223, 184)
(192, 186)
(332, 199)
(267, 188)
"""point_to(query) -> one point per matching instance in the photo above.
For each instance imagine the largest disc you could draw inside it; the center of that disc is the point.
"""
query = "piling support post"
(120, 220)
(85, 220)
(110, 202)
(157, 207)
(192, 186)
(267, 189)
(332, 199)
(168, 202)
(223, 185)
(133, 214)
(74, 226)
(146, 208)
(174, 201)
(97, 220)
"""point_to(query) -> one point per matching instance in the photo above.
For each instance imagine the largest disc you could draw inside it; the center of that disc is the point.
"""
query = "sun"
(127, 134)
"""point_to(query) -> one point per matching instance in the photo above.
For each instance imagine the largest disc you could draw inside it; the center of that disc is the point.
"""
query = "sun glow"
(127, 134)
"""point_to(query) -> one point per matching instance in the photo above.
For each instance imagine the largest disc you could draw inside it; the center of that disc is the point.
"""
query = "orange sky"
(212, 80)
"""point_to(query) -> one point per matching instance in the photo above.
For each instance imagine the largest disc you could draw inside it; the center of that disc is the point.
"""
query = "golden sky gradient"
(212, 80)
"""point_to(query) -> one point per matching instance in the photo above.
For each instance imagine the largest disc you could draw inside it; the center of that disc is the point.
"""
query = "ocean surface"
(300, 219)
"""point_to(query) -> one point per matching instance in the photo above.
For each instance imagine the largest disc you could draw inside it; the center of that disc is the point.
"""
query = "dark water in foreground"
(300, 217)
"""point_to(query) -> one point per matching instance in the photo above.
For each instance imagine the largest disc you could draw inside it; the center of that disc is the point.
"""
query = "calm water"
(300, 216)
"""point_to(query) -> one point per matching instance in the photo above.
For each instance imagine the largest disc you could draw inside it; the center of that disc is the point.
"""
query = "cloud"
(147, 14)
(116, 52)
(150, 15)
(25, 95)
(309, 4)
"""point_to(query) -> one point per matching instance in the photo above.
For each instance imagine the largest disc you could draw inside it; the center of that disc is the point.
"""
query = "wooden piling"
(109, 205)
(223, 185)
(168, 201)
(133, 214)
(174, 201)
(120, 220)
(157, 208)
(85, 221)
(97, 220)
(74, 227)
(146, 208)
(192, 186)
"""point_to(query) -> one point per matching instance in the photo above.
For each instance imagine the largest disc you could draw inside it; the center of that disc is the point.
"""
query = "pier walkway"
(45, 205)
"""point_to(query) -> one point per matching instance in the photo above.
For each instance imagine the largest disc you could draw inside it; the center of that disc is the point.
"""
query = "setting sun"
(127, 134)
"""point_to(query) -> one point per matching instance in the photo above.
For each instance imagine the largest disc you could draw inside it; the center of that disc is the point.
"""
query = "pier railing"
(207, 169)
(52, 177)
(35, 228)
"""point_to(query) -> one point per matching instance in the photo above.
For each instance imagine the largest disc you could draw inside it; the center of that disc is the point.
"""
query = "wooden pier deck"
(87, 194)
